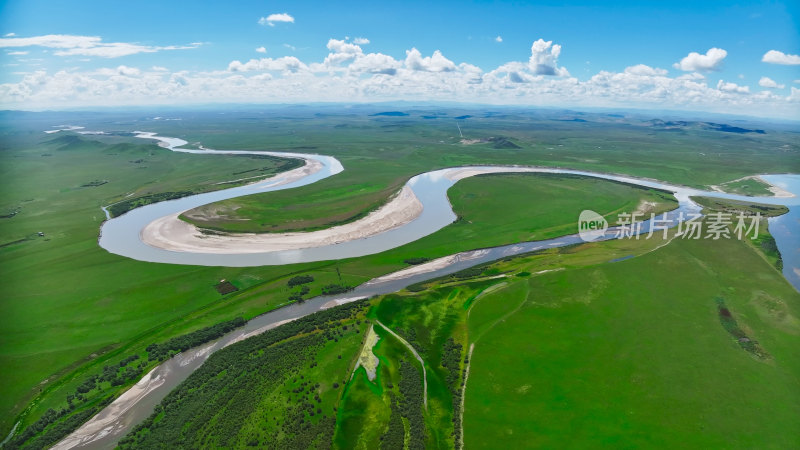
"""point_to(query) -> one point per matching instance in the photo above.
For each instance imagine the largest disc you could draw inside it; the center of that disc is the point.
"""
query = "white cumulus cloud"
(770, 83)
(283, 64)
(376, 63)
(644, 70)
(544, 58)
(261, 50)
(341, 51)
(272, 18)
(349, 74)
(498, 39)
(695, 62)
(778, 57)
(732, 87)
(360, 41)
(434, 63)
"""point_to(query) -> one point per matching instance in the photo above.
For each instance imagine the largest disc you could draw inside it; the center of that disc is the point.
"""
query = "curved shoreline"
(155, 233)
(108, 426)
(172, 233)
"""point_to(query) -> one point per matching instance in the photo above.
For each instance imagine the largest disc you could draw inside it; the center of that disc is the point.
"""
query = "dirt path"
(416, 355)
(499, 287)
(463, 393)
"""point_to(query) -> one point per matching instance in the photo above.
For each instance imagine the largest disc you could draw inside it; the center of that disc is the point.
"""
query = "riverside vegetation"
(114, 308)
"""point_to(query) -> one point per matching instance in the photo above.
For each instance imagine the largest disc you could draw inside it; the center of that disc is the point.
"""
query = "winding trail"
(460, 444)
(416, 355)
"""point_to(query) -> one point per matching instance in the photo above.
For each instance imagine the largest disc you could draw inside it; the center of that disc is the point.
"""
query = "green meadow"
(747, 186)
(68, 302)
(70, 308)
(621, 354)
(572, 347)
(381, 153)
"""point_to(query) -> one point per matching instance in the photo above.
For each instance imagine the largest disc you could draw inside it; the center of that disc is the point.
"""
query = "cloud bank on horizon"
(348, 73)
(70, 45)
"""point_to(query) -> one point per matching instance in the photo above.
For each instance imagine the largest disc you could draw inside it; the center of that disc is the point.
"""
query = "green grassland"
(121, 306)
(366, 407)
(281, 211)
(747, 186)
(435, 322)
(572, 348)
(620, 354)
(270, 383)
(746, 210)
(70, 308)
(534, 210)
(381, 153)
(68, 302)
(735, 207)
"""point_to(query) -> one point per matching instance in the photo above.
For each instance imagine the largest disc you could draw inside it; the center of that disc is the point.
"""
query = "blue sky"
(199, 41)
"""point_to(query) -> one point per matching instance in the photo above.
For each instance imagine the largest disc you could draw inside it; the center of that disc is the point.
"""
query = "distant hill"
(711, 126)
(502, 142)
(72, 142)
(389, 113)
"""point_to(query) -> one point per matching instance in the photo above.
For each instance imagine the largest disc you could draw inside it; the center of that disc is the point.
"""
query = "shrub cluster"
(298, 296)
(117, 209)
(411, 404)
(53, 429)
(210, 407)
(408, 405)
(300, 279)
(451, 360)
(333, 289)
(415, 261)
(181, 343)
(732, 327)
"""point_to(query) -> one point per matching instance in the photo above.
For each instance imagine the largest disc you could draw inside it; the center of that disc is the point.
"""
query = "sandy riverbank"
(466, 172)
(777, 191)
(106, 422)
(171, 233)
(429, 266)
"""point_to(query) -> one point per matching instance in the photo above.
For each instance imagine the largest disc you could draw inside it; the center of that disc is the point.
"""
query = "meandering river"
(121, 235)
